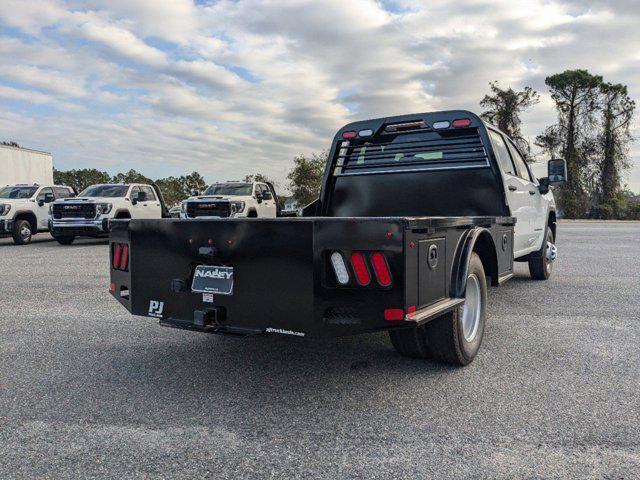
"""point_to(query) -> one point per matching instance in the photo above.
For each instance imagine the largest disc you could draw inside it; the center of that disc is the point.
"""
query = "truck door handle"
(512, 188)
(532, 192)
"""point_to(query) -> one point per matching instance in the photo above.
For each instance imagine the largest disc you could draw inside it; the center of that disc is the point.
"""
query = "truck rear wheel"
(67, 240)
(22, 232)
(541, 266)
(454, 337)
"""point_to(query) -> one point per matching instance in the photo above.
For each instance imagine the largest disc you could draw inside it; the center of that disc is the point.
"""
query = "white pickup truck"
(233, 200)
(89, 213)
(24, 209)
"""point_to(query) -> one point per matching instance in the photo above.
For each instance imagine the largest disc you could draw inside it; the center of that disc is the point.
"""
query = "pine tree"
(575, 93)
(503, 109)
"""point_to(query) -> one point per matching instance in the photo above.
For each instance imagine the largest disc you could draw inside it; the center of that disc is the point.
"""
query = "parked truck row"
(26, 210)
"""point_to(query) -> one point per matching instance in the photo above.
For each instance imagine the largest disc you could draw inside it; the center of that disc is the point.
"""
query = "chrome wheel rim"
(25, 232)
(471, 309)
(550, 253)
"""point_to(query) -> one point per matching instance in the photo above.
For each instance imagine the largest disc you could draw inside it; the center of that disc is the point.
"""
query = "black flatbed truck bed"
(410, 213)
(282, 277)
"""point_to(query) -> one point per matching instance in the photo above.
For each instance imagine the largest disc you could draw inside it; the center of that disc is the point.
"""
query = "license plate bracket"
(213, 279)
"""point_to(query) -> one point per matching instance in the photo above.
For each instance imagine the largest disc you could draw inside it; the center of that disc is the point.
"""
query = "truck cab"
(24, 209)
(89, 213)
(233, 200)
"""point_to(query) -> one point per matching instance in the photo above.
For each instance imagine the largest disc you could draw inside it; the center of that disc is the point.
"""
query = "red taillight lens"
(394, 314)
(349, 134)
(381, 269)
(360, 268)
(124, 259)
(461, 123)
(120, 256)
(117, 253)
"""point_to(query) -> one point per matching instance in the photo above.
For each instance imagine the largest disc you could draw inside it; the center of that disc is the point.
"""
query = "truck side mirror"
(556, 175)
(259, 197)
(195, 193)
(47, 198)
(557, 171)
(140, 197)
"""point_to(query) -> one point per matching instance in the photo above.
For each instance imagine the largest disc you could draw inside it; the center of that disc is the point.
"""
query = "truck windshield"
(229, 189)
(17, 192)
(105, 191)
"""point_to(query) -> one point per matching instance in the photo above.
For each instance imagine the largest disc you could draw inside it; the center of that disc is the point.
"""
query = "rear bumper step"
(439, 308)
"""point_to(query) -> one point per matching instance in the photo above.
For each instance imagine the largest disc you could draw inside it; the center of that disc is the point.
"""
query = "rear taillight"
(381, 269)
(339, 268)
(124, 259)
(394, 314)
(117, 254)
(357, 268)
(360, 269)
(120, 259)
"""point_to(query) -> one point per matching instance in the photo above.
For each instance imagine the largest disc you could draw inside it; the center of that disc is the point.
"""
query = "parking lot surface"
(88, 390)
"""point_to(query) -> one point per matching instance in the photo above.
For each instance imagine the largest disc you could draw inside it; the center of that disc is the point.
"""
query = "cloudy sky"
(234, 87)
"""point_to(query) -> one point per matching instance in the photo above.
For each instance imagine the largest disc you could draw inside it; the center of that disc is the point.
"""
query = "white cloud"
(232, 87)
(44, 79)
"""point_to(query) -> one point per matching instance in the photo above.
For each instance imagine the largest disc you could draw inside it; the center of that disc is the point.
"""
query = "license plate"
(212, 279)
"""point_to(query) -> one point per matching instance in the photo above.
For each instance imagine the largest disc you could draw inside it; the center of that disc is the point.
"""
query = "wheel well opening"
(29, 217)
(252, 213)
(486, 250)
(551, 223)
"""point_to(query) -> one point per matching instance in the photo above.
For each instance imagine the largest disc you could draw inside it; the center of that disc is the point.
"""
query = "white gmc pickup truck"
(233, 200)
(24, 209)
(89, 213)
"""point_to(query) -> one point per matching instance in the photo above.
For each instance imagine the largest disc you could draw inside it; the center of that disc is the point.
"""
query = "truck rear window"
(412, 151)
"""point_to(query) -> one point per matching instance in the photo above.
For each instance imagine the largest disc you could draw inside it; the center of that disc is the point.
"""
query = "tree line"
(591, 132)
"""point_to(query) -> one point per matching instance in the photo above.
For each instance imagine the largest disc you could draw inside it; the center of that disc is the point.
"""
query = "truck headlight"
(103, 208)
(237, 207)
(4, 209)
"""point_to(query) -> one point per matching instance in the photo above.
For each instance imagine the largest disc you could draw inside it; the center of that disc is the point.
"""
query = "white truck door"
(268, 202)
(537, 211)
(152, 208)
(517, 192)
(260, 205)
(137, 208)
(41, 208)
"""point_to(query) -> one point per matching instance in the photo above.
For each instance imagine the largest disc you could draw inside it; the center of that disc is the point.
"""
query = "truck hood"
(87, 200)
(16, 202)
(231, 198)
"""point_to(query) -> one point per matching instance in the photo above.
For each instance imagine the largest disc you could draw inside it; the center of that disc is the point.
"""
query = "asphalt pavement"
(87, 390)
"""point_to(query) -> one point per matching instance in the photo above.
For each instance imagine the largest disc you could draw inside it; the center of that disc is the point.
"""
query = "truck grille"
(74, 210)
(208, 209)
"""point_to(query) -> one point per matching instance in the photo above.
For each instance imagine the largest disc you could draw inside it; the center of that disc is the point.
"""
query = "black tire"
(252, 214)
(22, 232)
(540, 268)
(443, 338)
(65, 240)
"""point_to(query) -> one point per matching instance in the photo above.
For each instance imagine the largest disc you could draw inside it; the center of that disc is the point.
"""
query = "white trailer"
(22, 165)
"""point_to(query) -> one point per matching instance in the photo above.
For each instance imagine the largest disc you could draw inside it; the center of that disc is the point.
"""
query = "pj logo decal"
(155, 308)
